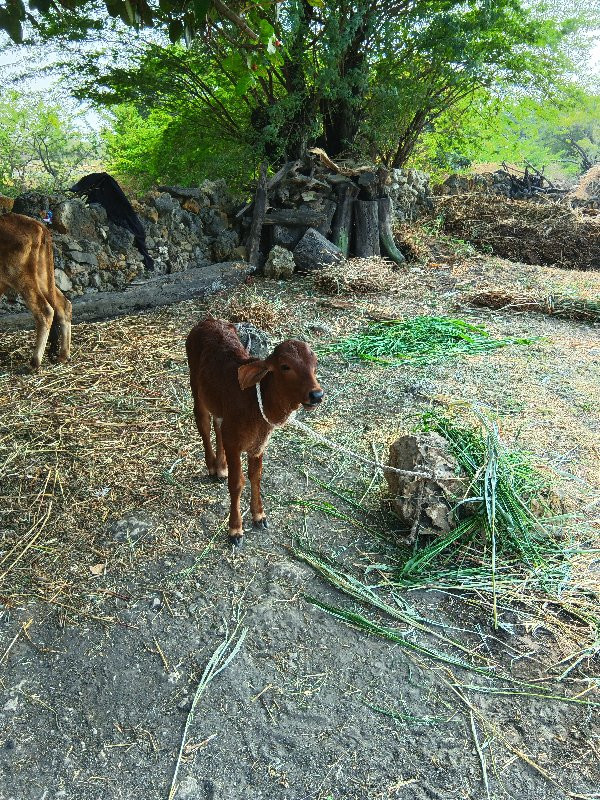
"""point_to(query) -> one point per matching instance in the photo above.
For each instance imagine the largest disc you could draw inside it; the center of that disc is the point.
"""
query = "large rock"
(314, 251)
(77, 219)
(62, 280)
(31, 204)
(425, 505)
(255, 340)
(279, 264)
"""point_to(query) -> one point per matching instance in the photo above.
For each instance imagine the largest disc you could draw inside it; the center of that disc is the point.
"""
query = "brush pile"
(524, 231)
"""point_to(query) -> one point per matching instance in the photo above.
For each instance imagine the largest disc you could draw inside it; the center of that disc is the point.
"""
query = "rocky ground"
(118, 583)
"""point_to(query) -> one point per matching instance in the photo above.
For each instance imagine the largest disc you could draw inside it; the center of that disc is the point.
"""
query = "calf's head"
(292, 366)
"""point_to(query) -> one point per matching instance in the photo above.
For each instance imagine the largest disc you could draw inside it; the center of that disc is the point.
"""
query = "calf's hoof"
(260, 524)
(236, 539)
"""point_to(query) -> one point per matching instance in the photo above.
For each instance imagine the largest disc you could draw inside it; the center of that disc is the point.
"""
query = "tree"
(349, 75)
(40, 144)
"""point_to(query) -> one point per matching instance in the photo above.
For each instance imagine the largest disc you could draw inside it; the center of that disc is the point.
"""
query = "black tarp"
(102, 188)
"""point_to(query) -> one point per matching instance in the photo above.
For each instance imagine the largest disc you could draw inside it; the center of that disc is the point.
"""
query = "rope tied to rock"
(335, 446)
(409, 473)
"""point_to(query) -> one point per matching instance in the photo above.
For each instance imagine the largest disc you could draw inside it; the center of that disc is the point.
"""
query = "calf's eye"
(284, 368)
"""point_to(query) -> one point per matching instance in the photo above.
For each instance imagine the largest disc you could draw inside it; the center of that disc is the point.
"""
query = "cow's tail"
(54, 336)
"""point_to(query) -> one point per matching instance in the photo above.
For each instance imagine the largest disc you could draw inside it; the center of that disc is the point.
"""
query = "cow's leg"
(62, 318)
(221, 458)
(235, 482)
(203, 423)
(259, 518)
(43, 314)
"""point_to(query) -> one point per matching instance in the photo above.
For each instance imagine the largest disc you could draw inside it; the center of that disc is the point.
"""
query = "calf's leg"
(221, 460)
(203, 424)
(235, 483)
(60, 335)
(259, 518)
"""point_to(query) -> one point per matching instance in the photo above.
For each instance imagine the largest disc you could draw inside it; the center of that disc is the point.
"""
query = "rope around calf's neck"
(333, 445)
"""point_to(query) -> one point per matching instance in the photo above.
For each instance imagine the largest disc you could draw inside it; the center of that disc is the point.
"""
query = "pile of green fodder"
(421, 340)
(510, 550)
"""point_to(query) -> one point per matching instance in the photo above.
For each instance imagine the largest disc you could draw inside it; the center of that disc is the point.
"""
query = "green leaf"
(243, 85)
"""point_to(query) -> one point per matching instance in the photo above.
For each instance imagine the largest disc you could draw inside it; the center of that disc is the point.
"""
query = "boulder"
(314, 251)
(62, 280)
(76, 219)
(287, 237)
(31, 204)
(280, 264)
(255, 340)
(425, 505)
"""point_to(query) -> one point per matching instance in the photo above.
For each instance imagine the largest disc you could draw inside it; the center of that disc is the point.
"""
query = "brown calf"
(223, 377)
(27, 267)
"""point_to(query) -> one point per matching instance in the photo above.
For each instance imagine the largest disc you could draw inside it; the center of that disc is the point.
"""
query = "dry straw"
(533, 233)
(357, 276)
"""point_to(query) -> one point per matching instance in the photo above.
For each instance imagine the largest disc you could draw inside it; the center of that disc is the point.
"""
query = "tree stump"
(341, 228)
(260, 206)
(366, 233)
(386, 236)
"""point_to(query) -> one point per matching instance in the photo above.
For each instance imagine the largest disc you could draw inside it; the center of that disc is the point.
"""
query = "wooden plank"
(341, 229)
(366, 228)
(260, 206)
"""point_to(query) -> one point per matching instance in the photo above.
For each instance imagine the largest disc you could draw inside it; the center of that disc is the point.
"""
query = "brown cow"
(27, 267)
(223, 378)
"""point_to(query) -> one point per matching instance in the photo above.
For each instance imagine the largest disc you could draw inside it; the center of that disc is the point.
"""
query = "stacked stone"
(185, 229)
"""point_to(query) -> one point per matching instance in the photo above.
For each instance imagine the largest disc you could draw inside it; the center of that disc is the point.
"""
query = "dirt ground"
(117, 582)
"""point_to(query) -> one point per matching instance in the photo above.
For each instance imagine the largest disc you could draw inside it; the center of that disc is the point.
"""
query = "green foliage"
(163, 148)
(421, 340)
(271, 79)
(563, 134)
(40, 144)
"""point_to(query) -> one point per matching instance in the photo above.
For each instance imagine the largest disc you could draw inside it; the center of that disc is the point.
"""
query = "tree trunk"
(366, 219)
(386, 237)
(260, 206)
(342, 221)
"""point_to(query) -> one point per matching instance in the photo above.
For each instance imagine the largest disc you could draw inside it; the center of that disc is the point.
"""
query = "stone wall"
(185, 229)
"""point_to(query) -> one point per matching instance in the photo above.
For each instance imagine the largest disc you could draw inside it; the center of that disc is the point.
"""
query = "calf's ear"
(250, 374)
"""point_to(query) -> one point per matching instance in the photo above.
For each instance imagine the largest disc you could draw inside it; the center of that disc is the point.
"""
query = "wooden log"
(292, 218)
(260, 206)
(273, 182)
(329, 210)
(386, 236)
(366, 228)
(341, 228)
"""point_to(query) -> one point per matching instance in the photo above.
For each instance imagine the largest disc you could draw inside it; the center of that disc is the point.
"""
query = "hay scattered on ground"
(532, 233)
(249, 306)
(588, 186)
(566, 307)
(357, 276)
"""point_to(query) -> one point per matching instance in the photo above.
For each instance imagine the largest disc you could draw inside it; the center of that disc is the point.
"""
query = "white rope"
(333, 445)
